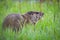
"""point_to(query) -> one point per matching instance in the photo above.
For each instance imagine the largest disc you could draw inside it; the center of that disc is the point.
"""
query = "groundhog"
(14, 21)
(17, 21)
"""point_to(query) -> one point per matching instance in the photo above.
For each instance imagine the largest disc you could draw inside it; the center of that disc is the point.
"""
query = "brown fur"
(14, 21)
(17, 21)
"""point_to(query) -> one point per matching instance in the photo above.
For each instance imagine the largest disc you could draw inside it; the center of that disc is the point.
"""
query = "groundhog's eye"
(37, 13)
(32, 14)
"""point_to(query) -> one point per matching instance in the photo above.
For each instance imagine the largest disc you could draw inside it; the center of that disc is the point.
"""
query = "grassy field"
(47, 28)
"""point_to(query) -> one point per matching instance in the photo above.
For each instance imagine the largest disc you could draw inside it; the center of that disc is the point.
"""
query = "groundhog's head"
(35, 16)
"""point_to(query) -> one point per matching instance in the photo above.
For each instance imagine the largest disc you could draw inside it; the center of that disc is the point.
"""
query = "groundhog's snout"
(41, 14)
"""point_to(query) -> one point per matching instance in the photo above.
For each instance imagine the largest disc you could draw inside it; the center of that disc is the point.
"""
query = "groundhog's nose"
(42, 13)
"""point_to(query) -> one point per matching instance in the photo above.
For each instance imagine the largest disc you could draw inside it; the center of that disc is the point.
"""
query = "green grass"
(45, 29)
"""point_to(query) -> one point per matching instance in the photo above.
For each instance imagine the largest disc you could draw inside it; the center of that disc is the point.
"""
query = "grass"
(45, 29)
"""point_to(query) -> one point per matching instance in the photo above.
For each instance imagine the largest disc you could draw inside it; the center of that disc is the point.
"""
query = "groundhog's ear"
(30, 13)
